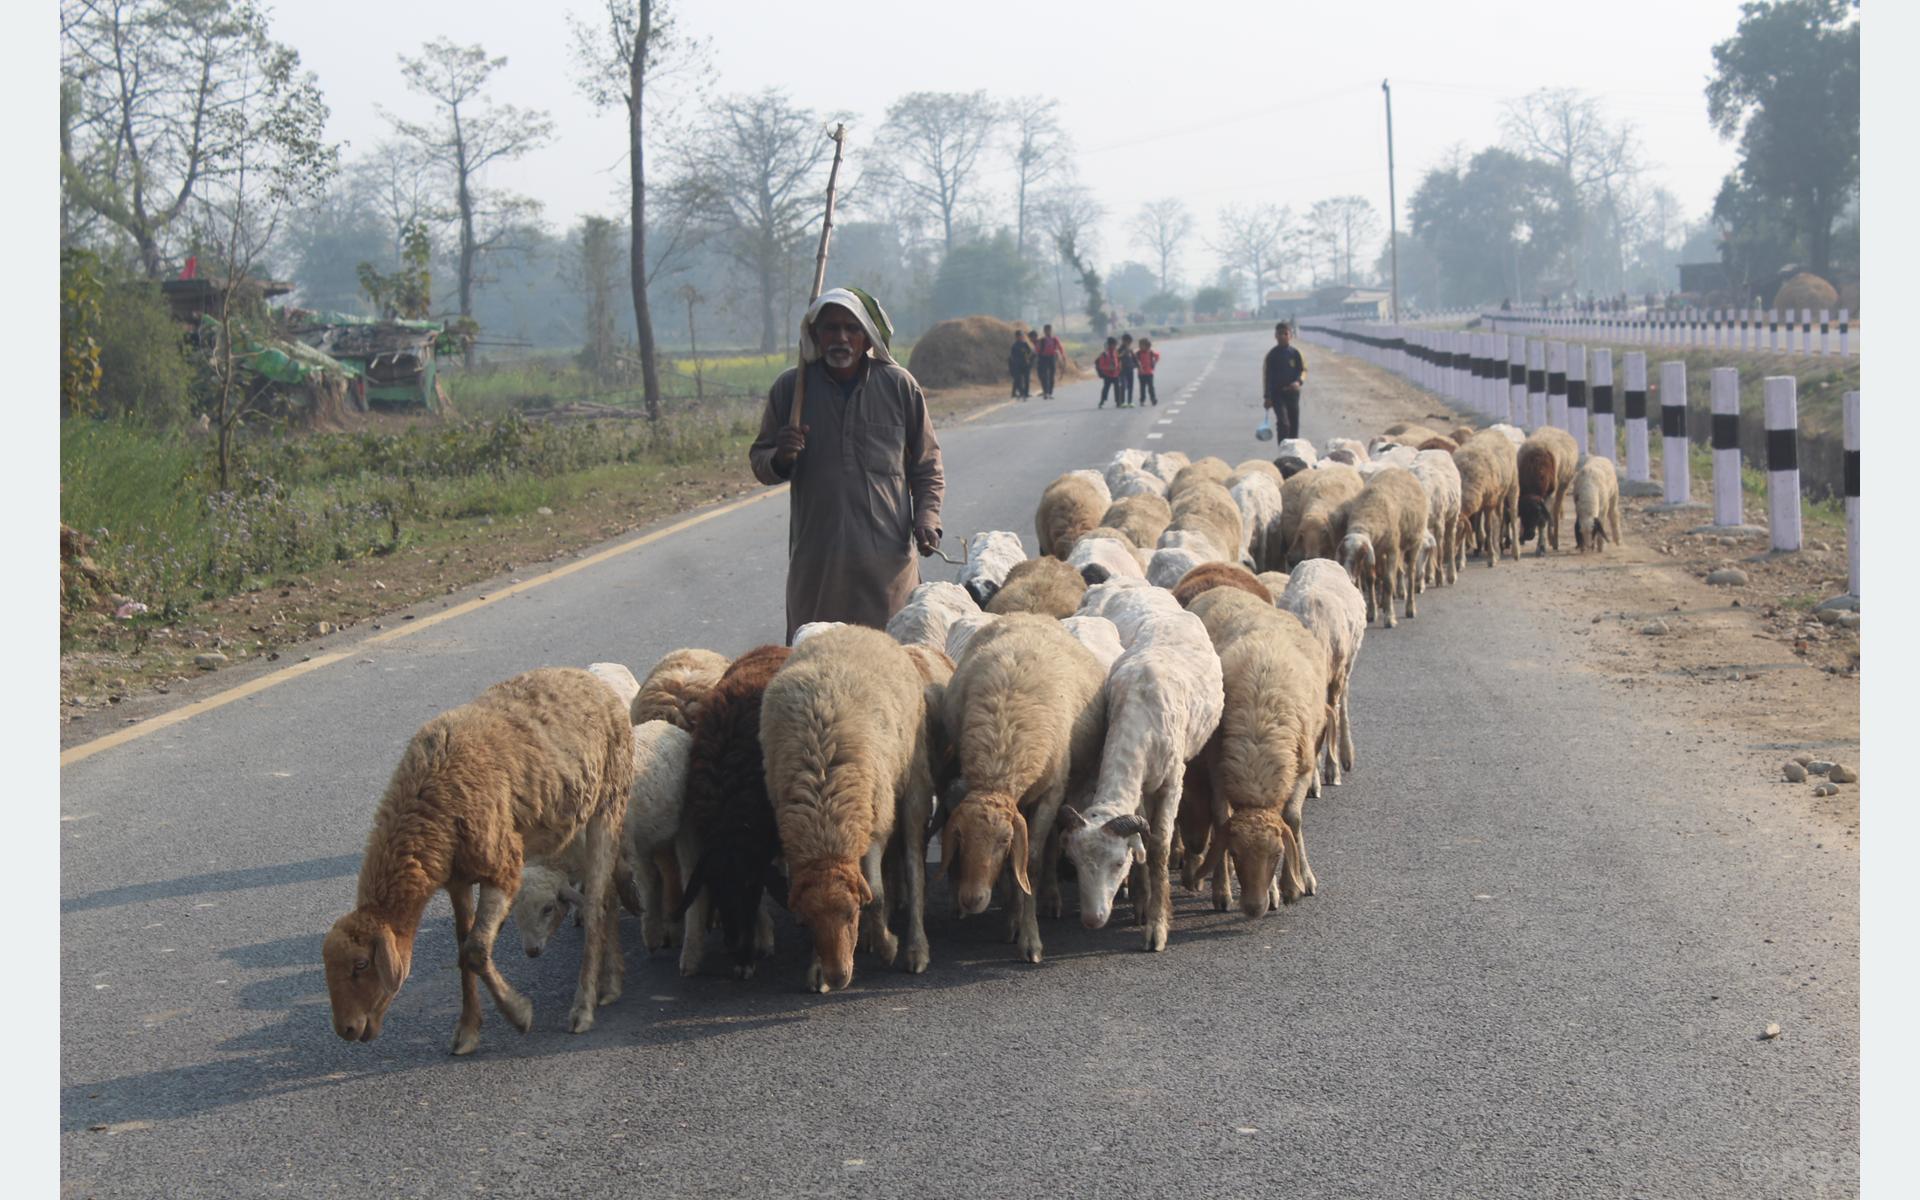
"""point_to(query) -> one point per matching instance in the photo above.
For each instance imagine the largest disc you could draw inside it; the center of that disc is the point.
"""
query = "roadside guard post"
(1603, 437)
(1557, 384)
(1673, 430)
(1536, 384)
(1783, 461)
(1639, 462)
(1850, 410)
(1843, 332)
(1577, 395)
(1517, 380)
(1725, 391)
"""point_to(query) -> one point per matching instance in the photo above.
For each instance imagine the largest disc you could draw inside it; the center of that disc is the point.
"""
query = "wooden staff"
(839, 136)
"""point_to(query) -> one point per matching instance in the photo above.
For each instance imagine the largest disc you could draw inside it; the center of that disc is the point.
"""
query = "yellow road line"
(241, 691)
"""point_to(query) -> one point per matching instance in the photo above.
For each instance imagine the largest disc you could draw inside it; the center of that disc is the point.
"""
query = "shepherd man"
(864, 464)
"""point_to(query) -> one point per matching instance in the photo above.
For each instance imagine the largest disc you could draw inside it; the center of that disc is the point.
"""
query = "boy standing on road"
(1148, 357)
(1282, 376)
(1049, 351)
(1107, 366)
(1020, 365)
(1129, 362)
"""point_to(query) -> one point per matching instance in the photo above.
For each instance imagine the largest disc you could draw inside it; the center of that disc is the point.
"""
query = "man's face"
(843, 340)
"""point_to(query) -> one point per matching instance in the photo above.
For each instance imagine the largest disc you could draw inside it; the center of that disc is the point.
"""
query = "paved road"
(1548, 934)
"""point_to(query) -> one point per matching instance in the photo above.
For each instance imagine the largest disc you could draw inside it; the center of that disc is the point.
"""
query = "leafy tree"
(983, 277)
(1213, 301)
(1787, 84)
(598, 266)
(1071, 216)
(80, 328)
(146, 371)
(1129, 284)
(934, 142)
(1162, 305)
(408, 292)
(1501, 227)
(1569, 129)
(1161, 226)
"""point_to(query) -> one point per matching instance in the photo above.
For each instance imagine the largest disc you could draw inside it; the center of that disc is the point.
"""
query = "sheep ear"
(1069, 819)
(1019, 855)
(866, 891)
(388, 960)
(1137, 850)
(1130, 825)
(571, 895)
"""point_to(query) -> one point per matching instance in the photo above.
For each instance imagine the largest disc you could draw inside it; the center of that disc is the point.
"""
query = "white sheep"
(1356, 448)
(1333, 610)
(1097, 634)
(1258, 498)
(1099, 559)
(1123, 462)
(1596, 504)
(1204, 546)
(1294, 455)
(929, 610)
(1512, 433)
(990, 556)
(1170, 564)
(1138, 483)
(1127, 607)
(1437, 473)
(963, 631)
(1166, 464)
(1099, 480)
(812, 628)
(618, 677)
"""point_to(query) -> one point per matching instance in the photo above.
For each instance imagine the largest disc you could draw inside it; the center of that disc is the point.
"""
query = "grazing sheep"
(845, 730)
(1380, 532)
(526, 767)
(1040, 585)
(989, 557)
(1207, 508)
(1294, 455)
(1164, 698)
(811, 628)
(1098, 635)
(929, 610)
(1512, 433)
(1099, 482)
(675, 688)
(1391, 455)
(1142, 518)
(1596, 504)
(1123, 462)
(1205, 470)
(1099, 559)
(1166, 464)
(1256, 466)
(1276, 582)
(728, 842)
(1138, 483)
(1069, 507)
(1307, 504)
(1334, 611)
(1356, 448)
(1027, 712)
(1440, 443)
(1545, 470)
(1437, 474)
(1257, 496)
(1128, 608)
(1205, 545)
(1489, 491)
(1459, 434)
(962, 632)
(1344, 456)
(1208, 576)
(617, 677)
(1170, 564)
(655, 808)
(1407, 433)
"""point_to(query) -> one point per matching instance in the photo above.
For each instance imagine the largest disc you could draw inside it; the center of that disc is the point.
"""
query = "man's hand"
(1267, 403)
(927, 538)
(788, 445)
(1295, 386)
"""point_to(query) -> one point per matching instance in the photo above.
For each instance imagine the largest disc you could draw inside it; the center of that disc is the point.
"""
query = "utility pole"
(1393, 214)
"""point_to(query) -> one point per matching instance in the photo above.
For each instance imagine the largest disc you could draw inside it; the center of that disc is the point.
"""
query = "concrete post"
(1517, 380)
(1536, 384)
(1783, 462)
(1773, 331)
(1806, 331)
(1603, 436)
(1673, 431)
(1850, 415)
(1639, 466)
(1826, 346)
(1577, 395)
(1726, 446)
(1843, 333)
(1557, 384)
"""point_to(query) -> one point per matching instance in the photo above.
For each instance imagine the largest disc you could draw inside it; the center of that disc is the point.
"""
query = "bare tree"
(1039, 150)
(401, 185)
(1352, 224)
(935, 141)
(1251, 237)
(1070, 216)
(1161, 226)
(752, 172)
(1569, 129)
(1319, 239)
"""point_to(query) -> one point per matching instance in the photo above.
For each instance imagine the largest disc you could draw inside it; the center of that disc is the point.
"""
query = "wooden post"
(1783, 461)
(1639, 462)
(1725, 385)
(1603, 435)
(839, 136)
(1673, 431)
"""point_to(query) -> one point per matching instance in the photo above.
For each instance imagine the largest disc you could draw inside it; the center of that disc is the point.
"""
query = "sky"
(1210, 101)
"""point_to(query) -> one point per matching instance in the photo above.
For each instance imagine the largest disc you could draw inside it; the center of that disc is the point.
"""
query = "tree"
(1160, 227)
(1502, 227)
(935, 140)
(1569, 129)
(1162, 305)
(1039, 148)
(465, 138)
(1352, 224)
(982, 277)
(1212, 301)
(407, 293)
(1250, 237)
(1070, 216)
(1320, 241)
(598, 267)
(1787, 84)
(147, 91)
(1129, 284)
(752, 173)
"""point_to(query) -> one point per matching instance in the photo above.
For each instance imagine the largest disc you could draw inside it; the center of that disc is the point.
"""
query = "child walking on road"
(1148, 358)
(1107, 366)
(1129, 362)
(1020, 365)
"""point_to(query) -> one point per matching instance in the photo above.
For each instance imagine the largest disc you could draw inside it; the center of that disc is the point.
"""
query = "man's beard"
(840, 356)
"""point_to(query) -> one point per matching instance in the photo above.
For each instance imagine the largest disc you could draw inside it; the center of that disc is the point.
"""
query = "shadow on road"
(216, 881)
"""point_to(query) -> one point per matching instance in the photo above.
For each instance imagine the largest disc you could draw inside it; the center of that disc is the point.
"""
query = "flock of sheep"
(1161, 688)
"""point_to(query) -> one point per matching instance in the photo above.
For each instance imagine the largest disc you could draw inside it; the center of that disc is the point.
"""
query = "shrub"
(146, 370)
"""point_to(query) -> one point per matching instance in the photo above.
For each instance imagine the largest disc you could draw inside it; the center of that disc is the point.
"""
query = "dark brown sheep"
(1210, 575)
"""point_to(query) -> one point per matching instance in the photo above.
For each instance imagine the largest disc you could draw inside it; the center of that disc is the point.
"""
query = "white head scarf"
(876, 346)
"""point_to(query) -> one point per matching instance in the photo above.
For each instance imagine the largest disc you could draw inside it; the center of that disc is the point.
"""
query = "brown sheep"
(1307, 504)
(1046, 586)
(1069, 507)
(1440, 443)
(1207, 508)
(1203, 470)
(523, 769)
(1142, 518)
(1489, 491)
(1547, 460)
(1408, 433)
(845, 729)
(674, 690)
(1380, 532)
(1210, 575)
(1461, 433)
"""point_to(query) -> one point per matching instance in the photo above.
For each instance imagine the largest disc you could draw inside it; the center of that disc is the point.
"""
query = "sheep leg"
(693, 930)
(466, 1034)
(1039, 833)
(914, 842)
(600, 962)
(1048, 884)
(1383, 582)
(654, 933)
(763, 930)
(880, 940)
(1346, 724)
(1297, 852)
(476, 955)
(1222, 861)
(1411, 612)
(1159, 853)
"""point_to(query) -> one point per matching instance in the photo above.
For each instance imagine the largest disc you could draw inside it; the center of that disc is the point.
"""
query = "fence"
(1746, 329)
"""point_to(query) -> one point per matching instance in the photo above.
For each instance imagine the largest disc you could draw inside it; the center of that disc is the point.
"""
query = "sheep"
(929, 610)
(1138, 483)
(811, 628)
(1142, 518)
(1207, 508)
(727, 842)
(1334, 611)
(1545, 470)
(1380, 531)
(1097, 634)
(1256, 466)
(675, 688)
(1099, 482)
(1122, 463)
(1344, 456)
(1170, 564)
(1489, 490)
(1357, 449)
(1166, 464)
(1391, 455)
(617, 677)
(1439, 443)
(1294, 455)
(1512, 433)
(845, 729)
(527, 766)
(962, 632)
(1068, 508)
(1257, 496)
(1307, 504)
(1129, 608)
(1164, 697)
(1437, 474)
(1028, 713)
(1261, 761)
(1208, 576)
(1205, 470)
(1459, 434)
(1042, 585)
(1596, 504)
(989, 557)
(1099, 559)
(1276, 582)
(1409, 433)
(1205, 545)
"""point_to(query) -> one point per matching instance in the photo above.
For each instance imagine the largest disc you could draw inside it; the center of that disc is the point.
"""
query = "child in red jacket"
(1148, 356)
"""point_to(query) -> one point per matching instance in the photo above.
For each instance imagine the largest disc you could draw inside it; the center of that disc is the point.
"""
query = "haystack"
(1806, 290)
(967, 350)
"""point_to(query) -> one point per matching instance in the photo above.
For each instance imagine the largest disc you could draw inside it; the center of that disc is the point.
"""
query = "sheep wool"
(1596, 504)
(675, 688)
(990, 556)
(1069, 507)
(1040, 585)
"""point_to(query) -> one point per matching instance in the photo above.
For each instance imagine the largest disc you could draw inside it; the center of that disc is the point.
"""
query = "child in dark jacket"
(1129, 361)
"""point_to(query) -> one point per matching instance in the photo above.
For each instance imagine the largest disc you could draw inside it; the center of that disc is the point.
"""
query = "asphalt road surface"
(1547, 939)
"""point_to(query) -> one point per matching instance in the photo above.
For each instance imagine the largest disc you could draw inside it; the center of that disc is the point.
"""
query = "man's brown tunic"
(870, 468)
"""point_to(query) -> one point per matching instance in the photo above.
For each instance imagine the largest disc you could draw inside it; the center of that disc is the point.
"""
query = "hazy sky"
(1210, 101)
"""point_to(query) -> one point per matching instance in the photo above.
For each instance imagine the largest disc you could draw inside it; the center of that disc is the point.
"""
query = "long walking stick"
(839, 136)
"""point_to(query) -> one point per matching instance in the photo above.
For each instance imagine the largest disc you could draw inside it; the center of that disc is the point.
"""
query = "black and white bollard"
(1603, 436)
(1639, 462)
(1806, 331)
(1725, 385)
(1783, 461)
(1850, 415)
(1517, 380)
(1843, 333)
(1826, 343)
(1557, 384)
(1577, 395)
(1536, 385)
(1673, 431)
(1773, 331)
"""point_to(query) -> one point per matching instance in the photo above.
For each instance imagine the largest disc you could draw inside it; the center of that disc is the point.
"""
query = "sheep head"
(984, 836)
(1356, 555)
(366, 960)
(541, 905)
(1259, 840)
(1102, 855)
(1533, 517)
(826, 897)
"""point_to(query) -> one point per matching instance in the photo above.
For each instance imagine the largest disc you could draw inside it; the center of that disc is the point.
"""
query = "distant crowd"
(1124, 367)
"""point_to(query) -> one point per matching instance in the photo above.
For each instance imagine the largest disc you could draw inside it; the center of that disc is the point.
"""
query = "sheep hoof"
(581, 1019)
(518, 1010)
(609, 992)
(466, 1041)
(1156, 938)
(743, 971)
(1030, 950)
(918, 958)
(886, 947)
(817, 979)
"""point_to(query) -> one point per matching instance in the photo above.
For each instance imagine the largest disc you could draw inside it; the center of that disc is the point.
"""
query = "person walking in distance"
(1149, 358)
(1049, 350)
(1107, 366)
(1020, 365)
(1129, 362)
(1283, 374)
(865, 465)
